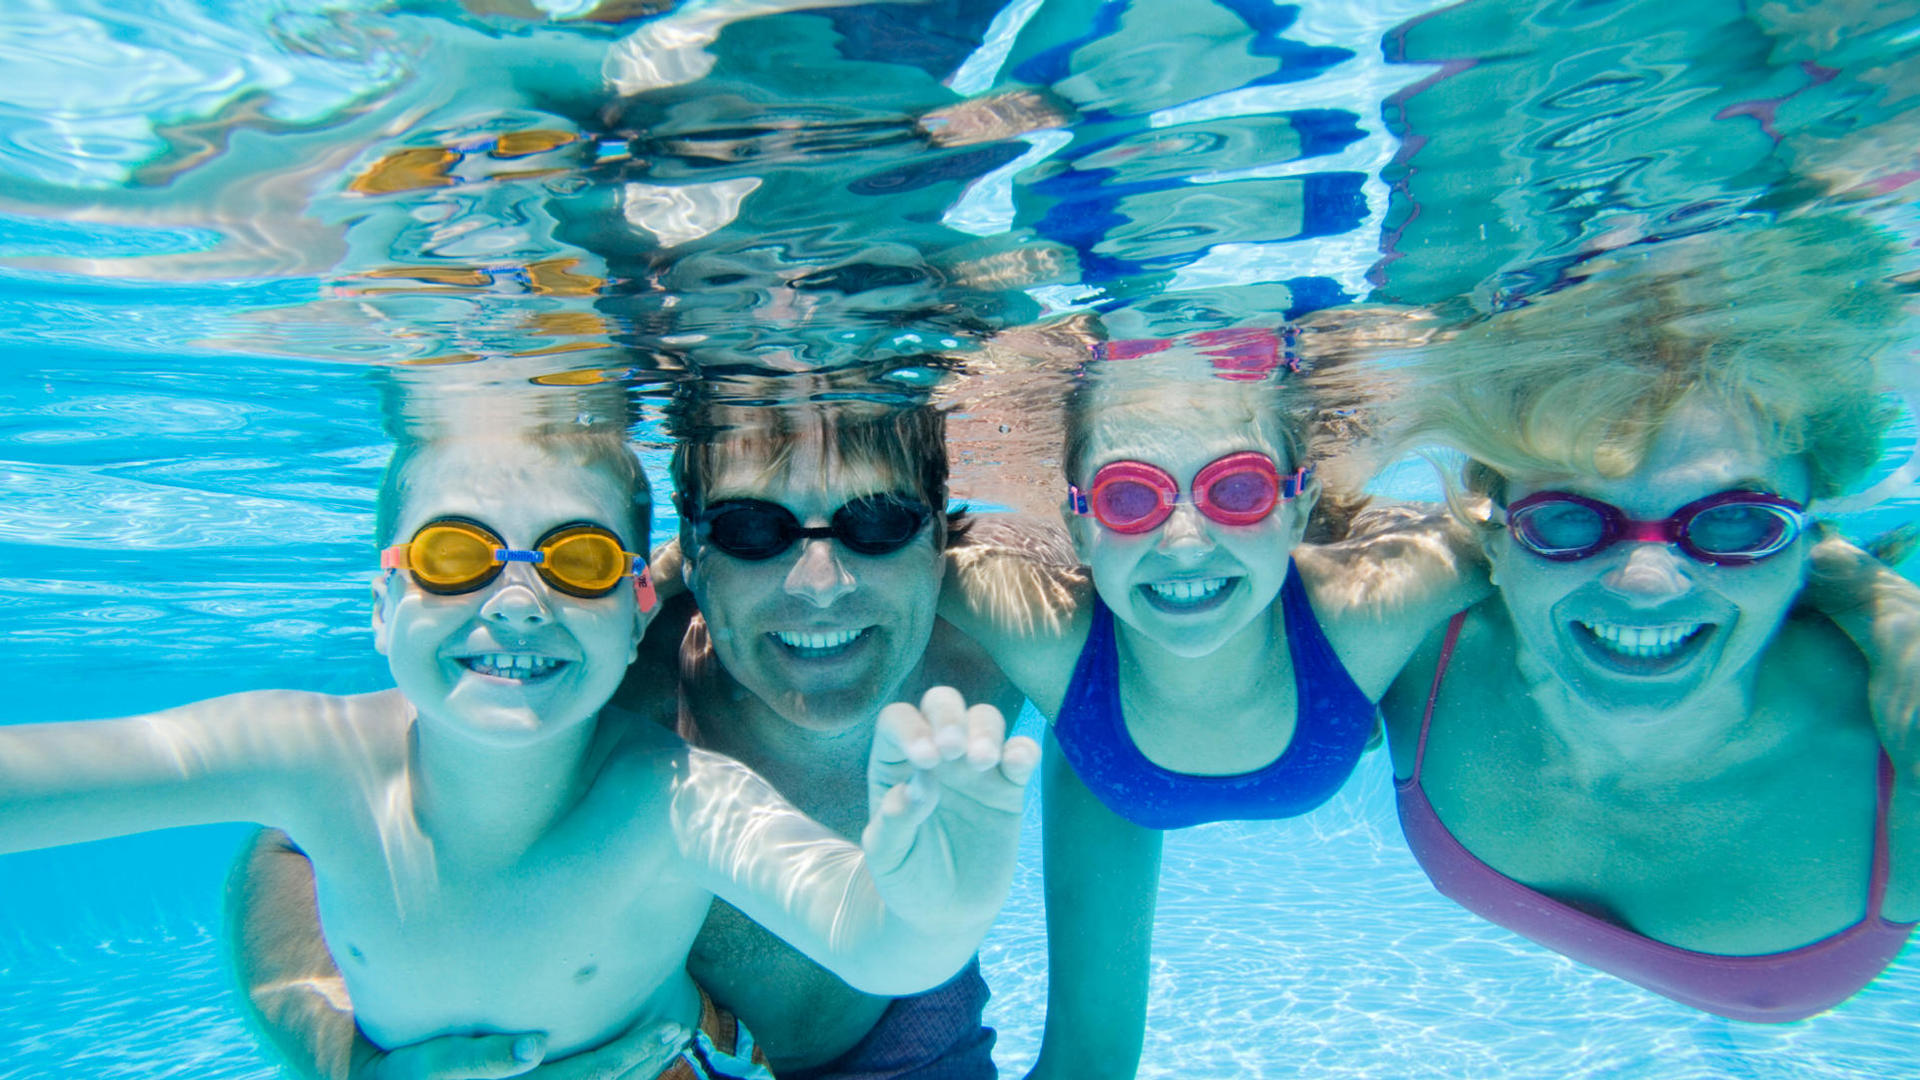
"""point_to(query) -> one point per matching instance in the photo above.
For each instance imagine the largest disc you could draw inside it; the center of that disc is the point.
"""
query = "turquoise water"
(204, 256)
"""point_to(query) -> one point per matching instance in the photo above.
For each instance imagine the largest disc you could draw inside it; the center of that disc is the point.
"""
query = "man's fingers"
(643, 1053)
(902, 734)
(461, 1057)
(890, 834)
(1019, 758)
(986, 731)
(946, 713)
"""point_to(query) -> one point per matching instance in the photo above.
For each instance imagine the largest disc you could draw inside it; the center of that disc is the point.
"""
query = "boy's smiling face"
(516, 660)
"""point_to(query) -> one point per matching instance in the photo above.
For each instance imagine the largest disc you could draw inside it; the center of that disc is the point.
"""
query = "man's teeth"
(1643, 641)
(817, 642)
(512, 665)
(1187, 592)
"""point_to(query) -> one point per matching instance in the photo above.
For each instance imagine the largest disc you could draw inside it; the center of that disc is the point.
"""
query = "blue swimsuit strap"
(1335, 721)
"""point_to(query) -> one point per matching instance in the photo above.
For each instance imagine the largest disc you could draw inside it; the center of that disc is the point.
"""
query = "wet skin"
(1656, 740)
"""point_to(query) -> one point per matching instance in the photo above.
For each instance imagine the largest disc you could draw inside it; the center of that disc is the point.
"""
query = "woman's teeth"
(817, 643)
(511, 665)
(1643, 642)
(1187, 592)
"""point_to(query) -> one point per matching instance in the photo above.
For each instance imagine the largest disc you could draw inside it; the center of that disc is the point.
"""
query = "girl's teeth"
(1187, 591)
(817, 642)
(512, 665)
(1643, 642)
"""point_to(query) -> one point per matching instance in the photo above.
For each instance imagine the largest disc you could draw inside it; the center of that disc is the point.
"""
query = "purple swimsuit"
(1768, 988)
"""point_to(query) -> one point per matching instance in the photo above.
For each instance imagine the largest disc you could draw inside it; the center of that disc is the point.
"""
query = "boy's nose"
(818, 576)
(518, 599)
(1184, 535)
(1651, 573)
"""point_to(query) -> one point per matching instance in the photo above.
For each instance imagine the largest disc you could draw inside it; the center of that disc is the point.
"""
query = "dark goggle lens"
(752, 530)
(1245, 492)
(878, 525)
(1127, 502)
(1561, 527)
(1741, 529)
(870, 525)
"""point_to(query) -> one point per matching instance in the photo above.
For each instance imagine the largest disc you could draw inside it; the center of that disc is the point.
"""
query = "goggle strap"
(1077, 500)
(1292, 484)
(397, 557)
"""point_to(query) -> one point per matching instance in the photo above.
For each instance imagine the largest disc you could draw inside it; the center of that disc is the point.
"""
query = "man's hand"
(945, 789)
(641, 1052)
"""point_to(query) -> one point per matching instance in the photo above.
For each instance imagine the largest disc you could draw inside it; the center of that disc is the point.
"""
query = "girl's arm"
(246, 757)
(1102, 882)
(1378, 593)
(904, 910)
(1014, 587)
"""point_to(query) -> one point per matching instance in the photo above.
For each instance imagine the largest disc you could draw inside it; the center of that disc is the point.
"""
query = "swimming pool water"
(192, 291)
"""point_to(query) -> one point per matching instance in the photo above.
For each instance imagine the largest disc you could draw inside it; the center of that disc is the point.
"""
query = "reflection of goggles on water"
(754, 529)
(1135, 497)
(454, 555)
(1731, 528)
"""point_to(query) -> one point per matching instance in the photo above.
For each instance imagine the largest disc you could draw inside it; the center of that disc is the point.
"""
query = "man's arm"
(1102, 883)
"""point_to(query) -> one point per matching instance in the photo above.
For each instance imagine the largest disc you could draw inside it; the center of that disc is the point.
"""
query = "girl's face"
(1640, 629)
(1192, 583)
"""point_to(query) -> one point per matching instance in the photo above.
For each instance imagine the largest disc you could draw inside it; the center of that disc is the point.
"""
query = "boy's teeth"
(1643, 641)
(511, 665)
(1187, 591)
(814, 642)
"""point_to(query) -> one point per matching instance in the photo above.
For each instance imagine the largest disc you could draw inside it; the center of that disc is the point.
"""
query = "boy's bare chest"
(571, 940)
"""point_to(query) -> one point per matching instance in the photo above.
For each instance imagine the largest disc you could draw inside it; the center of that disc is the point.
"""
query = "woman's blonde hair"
(1777, 326)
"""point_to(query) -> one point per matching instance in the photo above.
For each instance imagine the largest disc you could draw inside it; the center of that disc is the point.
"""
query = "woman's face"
(1640, 629)
(1191, 583)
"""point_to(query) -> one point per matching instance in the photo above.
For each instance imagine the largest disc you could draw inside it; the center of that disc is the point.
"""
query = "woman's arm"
(904, 910)
(1102, 882)
(248, 757)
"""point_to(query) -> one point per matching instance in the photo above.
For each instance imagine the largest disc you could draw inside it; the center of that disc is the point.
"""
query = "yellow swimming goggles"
(454, 555)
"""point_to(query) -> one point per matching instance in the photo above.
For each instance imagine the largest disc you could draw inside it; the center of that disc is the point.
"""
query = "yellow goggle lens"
(590, 561)
(452, 554)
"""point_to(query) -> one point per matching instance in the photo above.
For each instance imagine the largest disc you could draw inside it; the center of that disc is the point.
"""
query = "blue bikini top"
(1335, 721)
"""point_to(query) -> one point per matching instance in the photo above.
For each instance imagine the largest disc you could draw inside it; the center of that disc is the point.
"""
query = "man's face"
(824, 635)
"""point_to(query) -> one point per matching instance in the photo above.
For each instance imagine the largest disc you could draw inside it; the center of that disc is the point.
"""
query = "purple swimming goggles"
(1731, 528)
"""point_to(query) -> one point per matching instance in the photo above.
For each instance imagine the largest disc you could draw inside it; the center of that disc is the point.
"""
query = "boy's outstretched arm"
(262, 757)
(297, 1001)
(902, 912)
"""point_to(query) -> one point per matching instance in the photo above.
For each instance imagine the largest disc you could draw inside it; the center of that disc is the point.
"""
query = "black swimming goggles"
(754, 529)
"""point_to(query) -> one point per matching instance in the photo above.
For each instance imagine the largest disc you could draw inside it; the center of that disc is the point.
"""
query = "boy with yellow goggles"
(449, 556)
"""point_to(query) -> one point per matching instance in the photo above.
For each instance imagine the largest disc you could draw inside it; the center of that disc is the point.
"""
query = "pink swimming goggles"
(1730, 528)
(1135, 497)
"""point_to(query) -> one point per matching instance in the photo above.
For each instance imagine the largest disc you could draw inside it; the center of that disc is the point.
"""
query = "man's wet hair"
(774, 420)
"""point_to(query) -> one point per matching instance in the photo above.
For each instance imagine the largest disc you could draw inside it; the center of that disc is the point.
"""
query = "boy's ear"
(646, 606)
(1076, 527)
(386, 597)
(1303, 505)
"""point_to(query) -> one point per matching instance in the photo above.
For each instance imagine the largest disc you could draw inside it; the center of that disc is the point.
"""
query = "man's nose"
(818, 575)
(518, 600)
(1652, 573)
(1184, 535)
